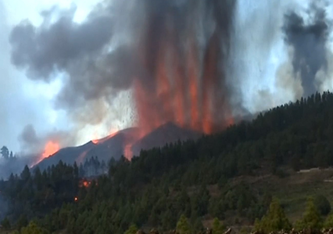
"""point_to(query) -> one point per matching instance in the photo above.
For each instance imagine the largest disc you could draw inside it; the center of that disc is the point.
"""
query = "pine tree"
(183, 226)
(329, 221)
(25, 175)
(131, 230)
(5, 223)
(4, 152)
(197, 226)
(274, 220)
(311, 218)
(33, 228)
(323, 205)
(22, 222)
(218, 228)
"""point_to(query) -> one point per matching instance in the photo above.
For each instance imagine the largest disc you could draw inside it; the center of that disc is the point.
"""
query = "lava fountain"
(179, 75)
(182, 52)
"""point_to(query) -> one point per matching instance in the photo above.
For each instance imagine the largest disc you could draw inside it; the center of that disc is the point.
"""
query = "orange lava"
(182, 81)
(99, 141)
(181, 78)
(130, 139)
(50, 149)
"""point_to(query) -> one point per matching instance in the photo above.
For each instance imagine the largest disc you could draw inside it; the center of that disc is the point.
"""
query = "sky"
(26, 102)
(33, 110)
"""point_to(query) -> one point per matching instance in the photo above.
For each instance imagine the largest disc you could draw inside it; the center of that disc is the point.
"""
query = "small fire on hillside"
(87, 182)
(84, 183)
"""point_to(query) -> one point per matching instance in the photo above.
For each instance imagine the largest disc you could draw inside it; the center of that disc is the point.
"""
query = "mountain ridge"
(114, 146)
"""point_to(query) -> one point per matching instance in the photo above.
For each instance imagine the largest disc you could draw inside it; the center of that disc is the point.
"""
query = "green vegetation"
(183, 227)
(227, 178)
(131, 230)
(311, 218)
(274, 220)
(217, 228)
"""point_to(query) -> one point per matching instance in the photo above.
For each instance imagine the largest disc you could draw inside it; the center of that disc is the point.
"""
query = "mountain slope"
(164, 134)
(231, 175)
(114, 146)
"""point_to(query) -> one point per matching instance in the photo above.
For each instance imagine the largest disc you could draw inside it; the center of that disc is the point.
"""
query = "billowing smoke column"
(309, 41)
(182, 49)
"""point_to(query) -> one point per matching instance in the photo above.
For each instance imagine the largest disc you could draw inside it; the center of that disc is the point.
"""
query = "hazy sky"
(23, 101)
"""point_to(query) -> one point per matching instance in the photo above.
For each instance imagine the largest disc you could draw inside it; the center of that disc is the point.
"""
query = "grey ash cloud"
(78, 50)
(309, 41)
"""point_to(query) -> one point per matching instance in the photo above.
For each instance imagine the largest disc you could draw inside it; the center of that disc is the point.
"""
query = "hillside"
(231, 176)
(113, 146)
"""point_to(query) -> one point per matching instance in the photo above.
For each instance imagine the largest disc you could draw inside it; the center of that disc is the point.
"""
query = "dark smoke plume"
(309, 41)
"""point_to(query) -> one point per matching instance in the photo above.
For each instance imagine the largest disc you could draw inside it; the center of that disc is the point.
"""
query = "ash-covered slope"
(105, 149)
(114, 146)
(67, 155)
(164, 134)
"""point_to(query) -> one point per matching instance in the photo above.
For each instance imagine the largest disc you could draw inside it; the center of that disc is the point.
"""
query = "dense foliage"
(183, 183)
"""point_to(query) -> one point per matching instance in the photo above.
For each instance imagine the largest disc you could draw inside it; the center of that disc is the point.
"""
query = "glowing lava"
(50, 149)
(99, 141)
(184, 78)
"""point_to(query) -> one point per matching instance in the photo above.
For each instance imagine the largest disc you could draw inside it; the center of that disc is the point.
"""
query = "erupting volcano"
(198, 64)
(177, 66)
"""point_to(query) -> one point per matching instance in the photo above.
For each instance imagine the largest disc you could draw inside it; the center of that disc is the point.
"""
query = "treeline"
(275, 219)
(92, 167)
(189, 178)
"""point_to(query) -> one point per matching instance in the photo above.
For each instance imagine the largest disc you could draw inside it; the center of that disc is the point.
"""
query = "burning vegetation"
(85, 182)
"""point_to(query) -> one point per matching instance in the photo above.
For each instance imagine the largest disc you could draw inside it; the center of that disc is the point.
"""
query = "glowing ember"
(75, 198)
(84, 183)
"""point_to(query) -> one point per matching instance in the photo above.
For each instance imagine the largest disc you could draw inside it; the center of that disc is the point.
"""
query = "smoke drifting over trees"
(178, 58)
